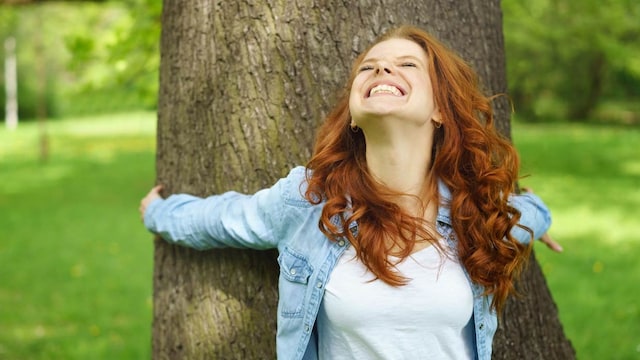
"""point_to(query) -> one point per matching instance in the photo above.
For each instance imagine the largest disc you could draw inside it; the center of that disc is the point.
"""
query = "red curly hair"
(478, 165)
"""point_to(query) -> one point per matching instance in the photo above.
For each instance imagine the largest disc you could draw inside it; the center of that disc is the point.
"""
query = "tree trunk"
(243, 85)
(530, 328)
(41, 109)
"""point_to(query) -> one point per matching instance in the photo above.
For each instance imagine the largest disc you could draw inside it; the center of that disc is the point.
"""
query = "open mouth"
(385, 89)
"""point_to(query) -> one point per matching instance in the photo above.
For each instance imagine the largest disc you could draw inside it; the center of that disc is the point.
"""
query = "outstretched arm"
(535, 215)
(230, 219)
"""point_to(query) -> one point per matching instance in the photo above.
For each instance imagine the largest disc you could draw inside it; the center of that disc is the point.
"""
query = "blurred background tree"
(575, 60)
(99, 57)
(566, 60)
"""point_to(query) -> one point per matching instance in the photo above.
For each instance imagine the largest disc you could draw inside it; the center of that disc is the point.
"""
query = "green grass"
(590, 178)
(76, 263)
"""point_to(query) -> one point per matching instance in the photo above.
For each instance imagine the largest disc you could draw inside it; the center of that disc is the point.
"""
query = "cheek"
(355, 97)
(357, 87)
(353, 104)
(428, 93)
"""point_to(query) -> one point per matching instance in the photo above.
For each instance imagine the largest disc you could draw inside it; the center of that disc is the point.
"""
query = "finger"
(142, 209)
(552, 244)
(153, 194)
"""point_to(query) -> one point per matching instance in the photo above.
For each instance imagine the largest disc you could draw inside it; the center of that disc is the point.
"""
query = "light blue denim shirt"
(280, 217)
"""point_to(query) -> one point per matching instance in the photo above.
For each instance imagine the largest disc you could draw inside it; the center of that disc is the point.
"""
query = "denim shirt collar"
(444, 213)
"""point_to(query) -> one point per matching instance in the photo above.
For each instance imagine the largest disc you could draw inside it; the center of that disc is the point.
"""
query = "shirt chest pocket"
(295, 272)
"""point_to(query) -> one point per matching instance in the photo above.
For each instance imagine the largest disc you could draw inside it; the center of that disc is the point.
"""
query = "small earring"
(437, 124)
(354, 128)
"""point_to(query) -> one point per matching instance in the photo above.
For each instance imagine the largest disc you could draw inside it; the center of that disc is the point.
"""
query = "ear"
(436, 118)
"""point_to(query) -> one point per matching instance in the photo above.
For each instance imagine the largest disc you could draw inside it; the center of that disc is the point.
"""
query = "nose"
(382, 68)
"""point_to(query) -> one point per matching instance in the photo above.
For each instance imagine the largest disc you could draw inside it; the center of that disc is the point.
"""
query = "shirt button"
(292, 271)
(481, 326)
(341, 242)
(306, 328)
(319, 285)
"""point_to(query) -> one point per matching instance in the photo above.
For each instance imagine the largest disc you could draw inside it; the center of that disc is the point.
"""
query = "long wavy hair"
(477, 164)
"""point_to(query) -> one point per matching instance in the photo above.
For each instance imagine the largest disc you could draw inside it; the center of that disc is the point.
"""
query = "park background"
(76, 263)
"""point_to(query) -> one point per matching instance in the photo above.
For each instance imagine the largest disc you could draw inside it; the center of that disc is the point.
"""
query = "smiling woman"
(407, 198)
(393, 82)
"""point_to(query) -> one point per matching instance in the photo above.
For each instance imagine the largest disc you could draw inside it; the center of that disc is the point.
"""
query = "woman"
(399, 239)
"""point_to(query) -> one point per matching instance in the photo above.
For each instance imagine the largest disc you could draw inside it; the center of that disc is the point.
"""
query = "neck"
(401, 161)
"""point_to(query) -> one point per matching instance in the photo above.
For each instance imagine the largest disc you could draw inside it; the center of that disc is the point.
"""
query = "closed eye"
(408, 64)
(365, 68)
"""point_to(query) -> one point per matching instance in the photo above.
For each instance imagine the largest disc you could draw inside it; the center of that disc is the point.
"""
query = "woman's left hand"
(551, 244)
(546, 238)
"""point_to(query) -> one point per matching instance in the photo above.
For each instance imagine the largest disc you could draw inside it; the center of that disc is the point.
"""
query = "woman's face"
(393, 81)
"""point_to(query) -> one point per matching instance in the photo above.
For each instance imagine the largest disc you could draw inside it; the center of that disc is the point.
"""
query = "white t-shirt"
(429, 318)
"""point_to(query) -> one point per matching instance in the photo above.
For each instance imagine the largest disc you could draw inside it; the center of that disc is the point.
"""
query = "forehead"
(396, 48)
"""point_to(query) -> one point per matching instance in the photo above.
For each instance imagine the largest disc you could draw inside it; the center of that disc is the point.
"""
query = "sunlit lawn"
(590, 177)
(75, 262)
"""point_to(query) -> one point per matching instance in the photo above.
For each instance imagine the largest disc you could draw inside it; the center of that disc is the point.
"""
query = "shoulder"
(294, 186)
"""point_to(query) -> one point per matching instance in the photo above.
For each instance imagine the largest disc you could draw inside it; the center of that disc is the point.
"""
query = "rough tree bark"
(243, 85)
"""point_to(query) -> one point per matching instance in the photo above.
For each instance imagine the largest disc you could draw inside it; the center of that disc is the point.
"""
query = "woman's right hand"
(153, 194)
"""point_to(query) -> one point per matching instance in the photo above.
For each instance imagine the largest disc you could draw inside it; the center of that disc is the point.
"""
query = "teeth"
(385, 89)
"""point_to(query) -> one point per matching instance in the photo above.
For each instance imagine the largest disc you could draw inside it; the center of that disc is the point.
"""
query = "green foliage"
(84, 58)
(76, 260)
(565, 58)
(126, 56)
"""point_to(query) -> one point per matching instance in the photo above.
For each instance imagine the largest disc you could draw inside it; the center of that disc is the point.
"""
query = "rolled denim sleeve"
(534, 214)
(230, 219)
